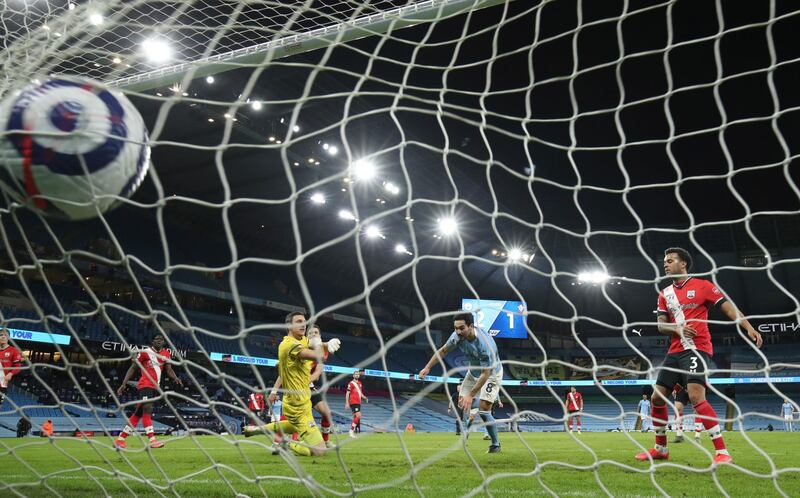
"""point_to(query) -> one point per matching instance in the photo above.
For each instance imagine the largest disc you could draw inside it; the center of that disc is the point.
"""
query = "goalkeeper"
(294, 367)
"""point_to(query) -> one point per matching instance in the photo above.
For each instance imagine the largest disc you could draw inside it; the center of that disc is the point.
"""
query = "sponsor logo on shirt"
(690, 294)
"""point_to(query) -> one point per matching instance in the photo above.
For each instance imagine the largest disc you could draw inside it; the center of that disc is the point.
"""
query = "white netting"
(545, 153)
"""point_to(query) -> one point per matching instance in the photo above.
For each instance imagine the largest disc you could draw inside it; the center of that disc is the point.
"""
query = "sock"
(353, 424)
(659, 415)
(134, 421)
(711, 425)
(147, 422)
(569, 422)
(679, 423)
(491, 426)
(325, 425)
(295, 436)
(299, 449)
(698, 429)
(578, 419)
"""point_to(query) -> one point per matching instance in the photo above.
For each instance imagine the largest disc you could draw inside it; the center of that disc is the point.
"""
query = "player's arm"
(439, 354)
(347, 395)
(317, 373)
(734, 314)
(665, 327)
(273, 393)
(172, 375)
(127, 378)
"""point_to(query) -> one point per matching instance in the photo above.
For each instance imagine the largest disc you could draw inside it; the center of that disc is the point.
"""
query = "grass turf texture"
(209, 466)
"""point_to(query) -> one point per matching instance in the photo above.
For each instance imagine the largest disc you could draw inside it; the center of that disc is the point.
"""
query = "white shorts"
(490, 390)
(788, 417)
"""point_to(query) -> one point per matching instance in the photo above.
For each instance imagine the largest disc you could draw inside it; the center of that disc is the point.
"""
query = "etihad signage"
(122, 348)
(779, 327)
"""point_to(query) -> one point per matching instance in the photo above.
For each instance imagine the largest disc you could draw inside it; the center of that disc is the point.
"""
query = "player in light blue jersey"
(485, 373)
(787, 409)
(644, 412)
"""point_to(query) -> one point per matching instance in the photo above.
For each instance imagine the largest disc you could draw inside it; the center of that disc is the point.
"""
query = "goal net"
(381, 166)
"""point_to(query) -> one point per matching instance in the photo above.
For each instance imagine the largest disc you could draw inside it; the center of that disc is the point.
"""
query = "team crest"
(690, 294)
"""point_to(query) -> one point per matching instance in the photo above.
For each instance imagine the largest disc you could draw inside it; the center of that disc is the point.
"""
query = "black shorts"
(148, 395)
(355, 408)
(316, 397)
(692, 369)
(573, 413)
(683, 397)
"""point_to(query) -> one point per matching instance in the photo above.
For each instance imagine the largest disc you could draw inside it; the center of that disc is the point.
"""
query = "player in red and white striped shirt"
(683, 314)
(574, 408)
(256, 403)
(10, 363)
(355, 393)
(151, 361)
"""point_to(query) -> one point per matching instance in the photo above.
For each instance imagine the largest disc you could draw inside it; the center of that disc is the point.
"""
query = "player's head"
(158, 341)
(677, 261)
(296, 323)
(313, 331)
(3, 337)
(644, 396)
(356, 374)
(573, 389)
(464, 325)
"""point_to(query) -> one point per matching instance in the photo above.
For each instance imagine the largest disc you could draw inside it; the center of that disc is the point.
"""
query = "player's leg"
(356, 411)
(488, 397)
(466, 386)
(279, 428)
(578, 420)
(147, 422)
(311, 442)
(326, 419)
(708, 416)
(133, 421)
(658, 410)
(569, 421)
(679, 408)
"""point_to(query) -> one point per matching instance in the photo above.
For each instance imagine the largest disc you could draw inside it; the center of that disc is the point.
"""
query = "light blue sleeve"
(452, 342)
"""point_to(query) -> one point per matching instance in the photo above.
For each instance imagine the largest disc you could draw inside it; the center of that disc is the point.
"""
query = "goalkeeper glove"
(334, 345)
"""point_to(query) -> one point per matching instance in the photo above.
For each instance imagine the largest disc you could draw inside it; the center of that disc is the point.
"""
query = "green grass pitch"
(376, 465)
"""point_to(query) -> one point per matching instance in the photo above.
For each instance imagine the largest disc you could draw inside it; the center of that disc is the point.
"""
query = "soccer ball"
(71, 147)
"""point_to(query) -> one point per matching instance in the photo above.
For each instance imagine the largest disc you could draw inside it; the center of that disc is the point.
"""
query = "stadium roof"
(539, 127)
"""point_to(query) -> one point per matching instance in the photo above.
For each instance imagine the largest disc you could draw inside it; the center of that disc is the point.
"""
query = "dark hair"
(683, 255)
(293, 314)
(152, 339)
(467, 317)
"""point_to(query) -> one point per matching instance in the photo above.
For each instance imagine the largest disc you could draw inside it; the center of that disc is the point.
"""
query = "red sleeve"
(713, 296)
(17, 360)
(662, 304)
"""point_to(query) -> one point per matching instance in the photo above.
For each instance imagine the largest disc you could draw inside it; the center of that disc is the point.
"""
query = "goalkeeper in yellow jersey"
(295, 358)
